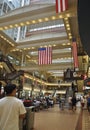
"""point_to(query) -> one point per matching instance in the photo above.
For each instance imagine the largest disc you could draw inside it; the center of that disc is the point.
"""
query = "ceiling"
(36, 18)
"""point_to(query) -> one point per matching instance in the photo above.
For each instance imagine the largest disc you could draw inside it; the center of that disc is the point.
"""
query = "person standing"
(82, 102)
(70, 102)
(74, 101)
(61, 103)
(11, 109)
(88, 102)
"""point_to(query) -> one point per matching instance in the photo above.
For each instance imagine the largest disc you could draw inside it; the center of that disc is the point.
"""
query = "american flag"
(45, 55)
(74, 52)
(61, 5)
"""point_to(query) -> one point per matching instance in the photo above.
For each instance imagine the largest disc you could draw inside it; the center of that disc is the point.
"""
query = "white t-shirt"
(10, 109)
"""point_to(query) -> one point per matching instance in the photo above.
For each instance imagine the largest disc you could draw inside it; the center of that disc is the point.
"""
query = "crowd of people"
(71, 102)
(39, 102)
(11, 106)
(84, 102)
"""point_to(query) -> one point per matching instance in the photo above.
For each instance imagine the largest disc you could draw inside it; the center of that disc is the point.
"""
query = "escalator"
(7, 62)
(7, 71)
(15, 74)
(69, 93)
(54, 93)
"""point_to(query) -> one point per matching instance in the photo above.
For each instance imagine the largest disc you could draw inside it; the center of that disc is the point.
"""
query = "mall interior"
(44, 50)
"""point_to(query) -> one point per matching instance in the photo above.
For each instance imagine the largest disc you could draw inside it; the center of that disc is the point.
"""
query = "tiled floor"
(86, 120)
(55, 119)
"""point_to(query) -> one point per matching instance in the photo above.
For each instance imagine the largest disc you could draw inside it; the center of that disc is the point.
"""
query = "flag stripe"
(56, 6)
(74, 51)
(66, 4)
(49, 55)
(45, 55)
(61, 5)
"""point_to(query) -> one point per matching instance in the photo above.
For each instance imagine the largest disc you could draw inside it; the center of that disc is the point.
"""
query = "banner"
(45, 56)
(74, 52)
(61, 5)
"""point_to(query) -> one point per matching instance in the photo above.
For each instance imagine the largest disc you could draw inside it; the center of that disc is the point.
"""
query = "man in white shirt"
(11, 109)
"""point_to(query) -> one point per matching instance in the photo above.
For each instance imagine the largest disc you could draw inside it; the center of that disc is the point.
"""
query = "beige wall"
(80, 84)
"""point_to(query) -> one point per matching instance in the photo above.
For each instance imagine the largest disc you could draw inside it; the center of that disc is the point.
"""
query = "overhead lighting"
(1, 28)
(45, 46)
(12, 44)
(33, 47)
(68, 43)
(4, 38)
(16, 25)
(53, 17)
(68, 15)
(67, 25)
(67, 22)
(27, 22)
(54, 45)
(7, 40)
(70, 37)
(25, 48)
(66, 18)
(46, 19)
(33, 21)
(20, 50)
(6, 27)
(68, 28)
(60, 16)
(22, 24)
(11, 26)
(69, 34)
(40, 20)
(1, 66)
(63, 44)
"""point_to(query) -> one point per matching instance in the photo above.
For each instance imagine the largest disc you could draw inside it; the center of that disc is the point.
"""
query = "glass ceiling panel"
(8, 5)
(62, 60)
(46, 25)
(40, 28)
(41, 1)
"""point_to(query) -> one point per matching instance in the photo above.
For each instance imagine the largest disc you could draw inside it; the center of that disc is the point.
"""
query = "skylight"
(62, 60)
(47, 27)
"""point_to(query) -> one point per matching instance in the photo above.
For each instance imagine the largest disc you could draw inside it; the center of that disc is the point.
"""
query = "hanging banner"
(74, 53)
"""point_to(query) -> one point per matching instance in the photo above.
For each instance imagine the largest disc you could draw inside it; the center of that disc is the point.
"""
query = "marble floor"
(85, 120)
(56, 119)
